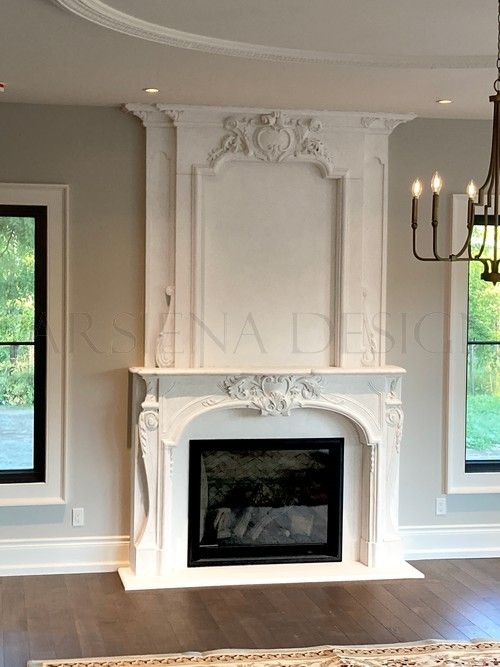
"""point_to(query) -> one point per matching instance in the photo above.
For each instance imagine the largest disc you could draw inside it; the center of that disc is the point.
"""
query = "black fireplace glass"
(265, 501)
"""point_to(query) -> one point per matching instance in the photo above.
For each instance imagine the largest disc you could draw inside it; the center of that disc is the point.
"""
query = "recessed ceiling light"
(151, 91)
(444, 101)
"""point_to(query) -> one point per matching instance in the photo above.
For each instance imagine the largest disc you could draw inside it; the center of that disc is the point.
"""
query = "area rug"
(429, 654)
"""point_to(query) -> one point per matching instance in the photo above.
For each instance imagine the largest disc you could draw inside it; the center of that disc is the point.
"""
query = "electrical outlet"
(78, 517)
(441, 505)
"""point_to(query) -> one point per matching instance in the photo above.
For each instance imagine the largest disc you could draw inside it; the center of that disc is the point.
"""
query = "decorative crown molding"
(105, 16)
(273, 394)
(273, 137)
(173, 115)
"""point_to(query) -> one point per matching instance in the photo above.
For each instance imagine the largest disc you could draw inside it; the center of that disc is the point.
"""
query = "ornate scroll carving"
(165, 345)
(273, 137)
(388, 124)
(148, 422)
(273, 394)
(395, 418)
(172, 114)
(394, 413)
(369, 342)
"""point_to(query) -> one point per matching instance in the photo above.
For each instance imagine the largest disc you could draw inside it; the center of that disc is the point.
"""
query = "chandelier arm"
(495, 218)
(485, 236)
(416, 254)
(489, 176)
(415, 251)
(435, 242)
(470, 229)
(455, 258)
(492, 179)
(497, 165)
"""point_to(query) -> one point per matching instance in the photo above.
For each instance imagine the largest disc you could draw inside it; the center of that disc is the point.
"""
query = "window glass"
(483, 366)
(22, 343)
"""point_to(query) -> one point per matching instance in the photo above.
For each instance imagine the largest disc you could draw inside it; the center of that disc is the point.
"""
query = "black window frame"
(476, 465)
(39, 343)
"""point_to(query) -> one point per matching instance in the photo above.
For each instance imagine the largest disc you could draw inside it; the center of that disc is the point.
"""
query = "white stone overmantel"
(368, 398)
(222, 178)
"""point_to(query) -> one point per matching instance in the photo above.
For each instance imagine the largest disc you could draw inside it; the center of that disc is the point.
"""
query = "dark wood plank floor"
(91, 615)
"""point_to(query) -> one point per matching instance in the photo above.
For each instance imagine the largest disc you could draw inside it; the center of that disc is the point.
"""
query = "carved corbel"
(148, 440)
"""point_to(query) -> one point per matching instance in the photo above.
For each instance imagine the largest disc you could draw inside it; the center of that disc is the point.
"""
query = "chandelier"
(482, 237)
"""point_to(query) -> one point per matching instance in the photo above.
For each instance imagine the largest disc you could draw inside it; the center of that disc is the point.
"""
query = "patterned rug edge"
(463, 653)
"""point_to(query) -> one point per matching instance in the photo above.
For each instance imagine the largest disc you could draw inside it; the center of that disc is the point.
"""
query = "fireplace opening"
(265, 501)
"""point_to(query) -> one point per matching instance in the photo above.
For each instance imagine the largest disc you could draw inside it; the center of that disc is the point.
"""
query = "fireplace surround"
(266, 238)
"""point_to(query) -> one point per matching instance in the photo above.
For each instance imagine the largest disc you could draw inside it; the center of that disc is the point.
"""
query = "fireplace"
(265, 274)
(265, 501)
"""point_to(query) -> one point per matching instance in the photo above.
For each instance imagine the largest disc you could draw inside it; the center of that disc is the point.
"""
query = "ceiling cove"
(104, 15)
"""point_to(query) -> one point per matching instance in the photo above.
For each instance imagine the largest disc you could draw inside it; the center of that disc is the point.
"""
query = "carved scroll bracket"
(165, 343)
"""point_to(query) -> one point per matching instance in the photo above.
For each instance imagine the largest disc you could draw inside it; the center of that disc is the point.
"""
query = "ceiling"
(369, 55)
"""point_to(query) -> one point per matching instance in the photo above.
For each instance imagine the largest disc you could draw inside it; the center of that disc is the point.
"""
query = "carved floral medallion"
(273, 394)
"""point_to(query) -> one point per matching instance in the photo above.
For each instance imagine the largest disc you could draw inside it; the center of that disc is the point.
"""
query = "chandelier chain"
(497, 82)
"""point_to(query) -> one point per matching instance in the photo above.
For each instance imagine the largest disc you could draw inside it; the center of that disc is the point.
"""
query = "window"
(33, 343)
(23, 306)
(473, 443)
(482, 432)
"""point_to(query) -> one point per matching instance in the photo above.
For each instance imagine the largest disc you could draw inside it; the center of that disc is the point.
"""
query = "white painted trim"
(451, 541)
(457, 480)
(68, 555)
(63, 555)
(56, 198)
(105, 16)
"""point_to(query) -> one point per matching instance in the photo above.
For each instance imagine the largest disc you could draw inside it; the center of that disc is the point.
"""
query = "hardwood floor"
(68, 616)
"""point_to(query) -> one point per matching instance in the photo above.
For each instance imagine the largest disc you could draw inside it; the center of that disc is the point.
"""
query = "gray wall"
(459, 150)
(99, 153)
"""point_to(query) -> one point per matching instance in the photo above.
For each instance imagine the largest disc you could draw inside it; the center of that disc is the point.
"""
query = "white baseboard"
(63, 555)
(448, 541)
(67, 555)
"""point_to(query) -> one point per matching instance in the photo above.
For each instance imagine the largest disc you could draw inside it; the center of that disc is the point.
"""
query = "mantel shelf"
(379, 370)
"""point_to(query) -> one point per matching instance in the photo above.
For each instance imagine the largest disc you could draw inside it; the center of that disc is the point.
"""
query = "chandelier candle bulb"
(472, 194)
(472, 190)
(436, 183)
(416, 190)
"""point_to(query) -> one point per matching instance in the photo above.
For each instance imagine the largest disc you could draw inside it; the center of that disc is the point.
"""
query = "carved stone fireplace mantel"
(176, 399)
(265, 301)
